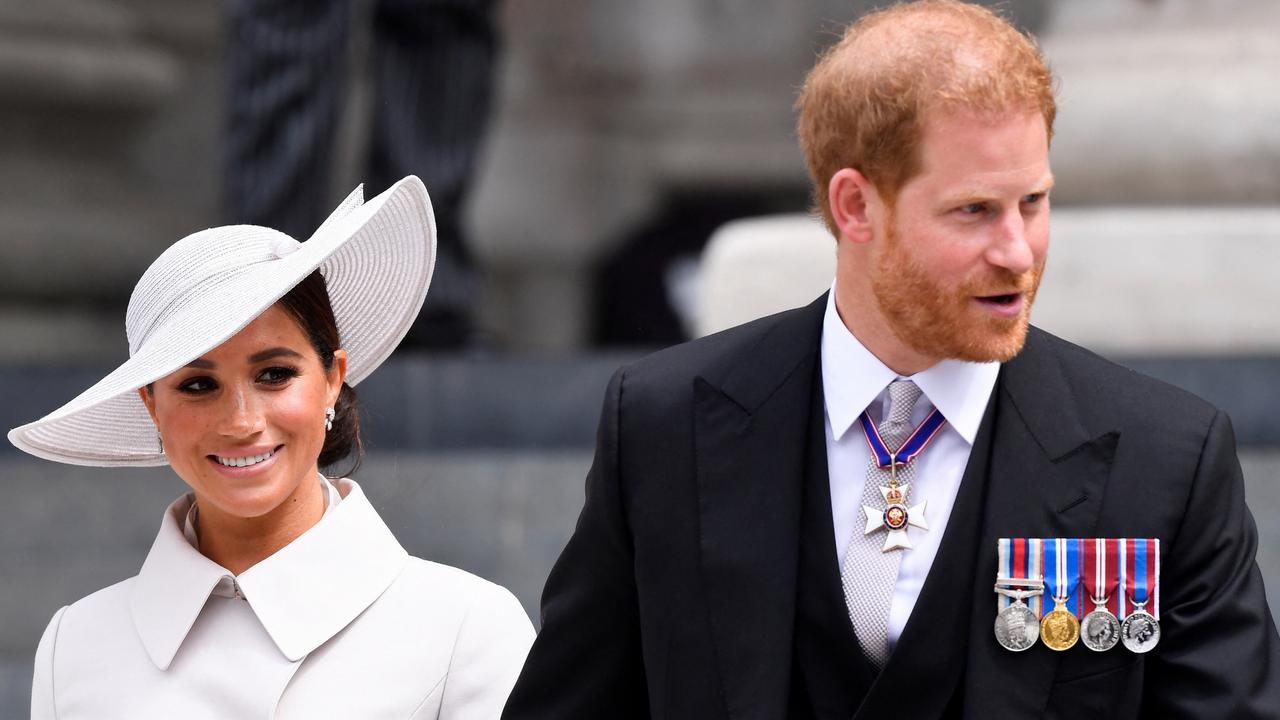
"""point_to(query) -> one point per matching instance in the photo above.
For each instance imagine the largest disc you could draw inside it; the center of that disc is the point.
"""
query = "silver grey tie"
(868, 572)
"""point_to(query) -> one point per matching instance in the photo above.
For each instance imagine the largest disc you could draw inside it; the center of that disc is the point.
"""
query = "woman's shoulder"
(80, 632)
(456, 589)
(439, 600)
(97, 612)
(488, 629)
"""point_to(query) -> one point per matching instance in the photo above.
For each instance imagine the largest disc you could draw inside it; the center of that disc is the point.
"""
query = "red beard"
(945, 321)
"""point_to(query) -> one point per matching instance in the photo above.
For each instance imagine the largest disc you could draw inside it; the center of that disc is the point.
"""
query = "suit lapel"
(751, 421)
(1035, 470)
(1049, 469)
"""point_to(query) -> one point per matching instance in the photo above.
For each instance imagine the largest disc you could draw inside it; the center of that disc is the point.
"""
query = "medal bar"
(1105, 592)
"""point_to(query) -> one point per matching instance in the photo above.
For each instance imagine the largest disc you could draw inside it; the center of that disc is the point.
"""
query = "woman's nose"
(243, 414)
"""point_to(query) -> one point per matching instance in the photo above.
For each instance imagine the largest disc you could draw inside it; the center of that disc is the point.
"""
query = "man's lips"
(1003, 305)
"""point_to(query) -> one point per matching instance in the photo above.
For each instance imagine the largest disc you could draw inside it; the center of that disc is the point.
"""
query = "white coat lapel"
(315, 586)
(303, 595)
(172, 587)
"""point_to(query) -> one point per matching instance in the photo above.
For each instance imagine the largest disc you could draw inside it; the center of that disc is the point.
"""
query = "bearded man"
(800, 517)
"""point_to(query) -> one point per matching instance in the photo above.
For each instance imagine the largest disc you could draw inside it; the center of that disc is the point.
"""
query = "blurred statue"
(433, 69)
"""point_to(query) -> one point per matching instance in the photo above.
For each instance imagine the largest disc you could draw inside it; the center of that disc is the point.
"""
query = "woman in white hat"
(271, 590)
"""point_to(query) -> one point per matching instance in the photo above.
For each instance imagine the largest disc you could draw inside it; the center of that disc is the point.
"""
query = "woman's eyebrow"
(201, 364)
(274, 352)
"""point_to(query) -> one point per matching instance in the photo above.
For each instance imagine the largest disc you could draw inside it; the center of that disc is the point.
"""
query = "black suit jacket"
(676, 595)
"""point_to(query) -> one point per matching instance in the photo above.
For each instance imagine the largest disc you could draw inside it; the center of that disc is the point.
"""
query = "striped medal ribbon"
(1140, 630)
(1059, 628)
(1100, 629)
(1019, 578)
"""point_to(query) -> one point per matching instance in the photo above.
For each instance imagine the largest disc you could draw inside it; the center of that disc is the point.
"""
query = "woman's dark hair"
(308, 303)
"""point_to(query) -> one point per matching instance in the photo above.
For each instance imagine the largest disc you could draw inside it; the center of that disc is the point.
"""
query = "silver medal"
(1140, 631)
(1100, 630)
(1017, 627)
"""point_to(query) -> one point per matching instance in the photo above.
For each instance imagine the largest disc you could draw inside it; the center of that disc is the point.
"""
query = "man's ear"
(852, 199)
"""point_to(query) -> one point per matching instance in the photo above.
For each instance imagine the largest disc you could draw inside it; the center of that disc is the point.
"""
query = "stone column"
(102, 168)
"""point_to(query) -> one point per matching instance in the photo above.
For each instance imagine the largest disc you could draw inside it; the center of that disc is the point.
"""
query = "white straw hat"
(376, 258)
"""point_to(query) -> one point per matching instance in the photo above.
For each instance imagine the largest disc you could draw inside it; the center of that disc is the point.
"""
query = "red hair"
(863, 104)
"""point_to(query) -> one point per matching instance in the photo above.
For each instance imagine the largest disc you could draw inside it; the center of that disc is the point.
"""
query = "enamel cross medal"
(897, 515)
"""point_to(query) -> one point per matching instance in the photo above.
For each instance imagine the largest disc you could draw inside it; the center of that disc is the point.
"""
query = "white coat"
(341, 623)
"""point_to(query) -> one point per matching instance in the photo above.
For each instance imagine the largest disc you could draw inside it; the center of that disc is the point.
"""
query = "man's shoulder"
(716, 355)
(1106, 390)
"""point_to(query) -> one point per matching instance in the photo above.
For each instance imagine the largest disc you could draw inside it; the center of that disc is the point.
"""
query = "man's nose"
(243, 414)
(1010, 248)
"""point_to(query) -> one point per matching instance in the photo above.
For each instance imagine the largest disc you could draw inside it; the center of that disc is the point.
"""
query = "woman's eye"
(277, 375)
(197, 385)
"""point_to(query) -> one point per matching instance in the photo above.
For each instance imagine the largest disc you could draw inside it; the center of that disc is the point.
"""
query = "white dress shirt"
(340, 623)
(854, 380)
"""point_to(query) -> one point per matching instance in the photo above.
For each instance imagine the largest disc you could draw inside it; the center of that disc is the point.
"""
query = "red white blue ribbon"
(1020, 558)
(1062, 572)
(913, 446)
(1126, 571)
(1141, 579)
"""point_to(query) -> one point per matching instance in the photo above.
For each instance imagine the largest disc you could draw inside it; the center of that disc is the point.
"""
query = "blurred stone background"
(624, 134)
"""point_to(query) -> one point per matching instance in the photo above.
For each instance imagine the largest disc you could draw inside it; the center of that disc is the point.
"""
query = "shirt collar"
(852, 377)
(303, 595)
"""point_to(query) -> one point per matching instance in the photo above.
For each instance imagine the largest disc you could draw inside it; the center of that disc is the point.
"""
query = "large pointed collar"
(303, 595)
(1043, 395)
(852, 378)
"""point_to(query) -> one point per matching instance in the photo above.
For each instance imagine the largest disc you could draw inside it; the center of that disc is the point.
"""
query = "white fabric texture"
(854, 380)
(867, 572)
(341, 623)
(376, 258)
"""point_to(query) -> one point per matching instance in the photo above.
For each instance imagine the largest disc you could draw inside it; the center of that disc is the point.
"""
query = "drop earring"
(329, 415)
(160, 440)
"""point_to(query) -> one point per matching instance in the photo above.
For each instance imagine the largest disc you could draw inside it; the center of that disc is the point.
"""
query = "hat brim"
(377, 259)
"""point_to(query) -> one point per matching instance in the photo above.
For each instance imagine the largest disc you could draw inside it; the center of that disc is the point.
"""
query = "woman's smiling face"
(244, 424)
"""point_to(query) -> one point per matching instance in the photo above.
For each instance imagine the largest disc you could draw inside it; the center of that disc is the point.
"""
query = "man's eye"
(973, 209)
(277, 375)
(197, 385)
(1033, 198)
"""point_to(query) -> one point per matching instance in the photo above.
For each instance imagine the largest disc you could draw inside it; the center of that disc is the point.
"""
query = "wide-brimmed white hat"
(376, 258)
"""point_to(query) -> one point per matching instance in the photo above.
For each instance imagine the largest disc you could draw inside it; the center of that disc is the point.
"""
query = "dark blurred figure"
(433, 66)
(636, 297)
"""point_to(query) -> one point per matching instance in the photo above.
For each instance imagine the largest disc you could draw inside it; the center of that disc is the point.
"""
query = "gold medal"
(1059, 630)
